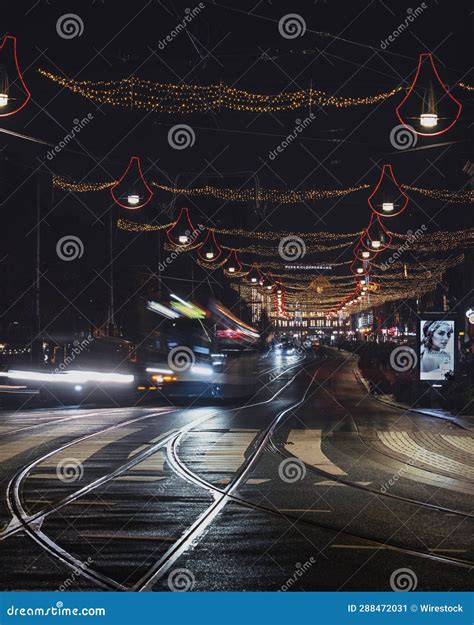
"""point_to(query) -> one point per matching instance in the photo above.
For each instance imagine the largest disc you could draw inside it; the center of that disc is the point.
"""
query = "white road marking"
(464, 443)
(227, 454)
(402, 443)
(86, 449)
(306, 445)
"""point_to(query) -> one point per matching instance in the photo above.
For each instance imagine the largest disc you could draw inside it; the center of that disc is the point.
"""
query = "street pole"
(111, 275)
(35, 349)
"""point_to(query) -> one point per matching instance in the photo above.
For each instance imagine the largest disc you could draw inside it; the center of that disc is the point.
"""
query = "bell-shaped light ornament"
(182, 232)
(428, 108)
(14, 93)
(254, 275)
(375, 237)
(210, 251)
(232, 266)
(131, 190)
(388, 199)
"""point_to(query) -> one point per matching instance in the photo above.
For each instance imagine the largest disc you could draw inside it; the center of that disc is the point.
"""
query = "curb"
(465, 425)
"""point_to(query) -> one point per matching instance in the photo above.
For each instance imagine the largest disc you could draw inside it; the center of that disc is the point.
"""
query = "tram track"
(227, 494)
(222, 497)
(21, 521)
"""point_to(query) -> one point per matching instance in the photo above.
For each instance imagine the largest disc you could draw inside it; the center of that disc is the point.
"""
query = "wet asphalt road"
(310, 485)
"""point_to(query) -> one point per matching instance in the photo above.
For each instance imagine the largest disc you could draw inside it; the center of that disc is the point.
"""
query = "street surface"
(312, 484)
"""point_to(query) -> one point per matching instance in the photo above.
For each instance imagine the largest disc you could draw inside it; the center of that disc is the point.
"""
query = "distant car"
(286, 348)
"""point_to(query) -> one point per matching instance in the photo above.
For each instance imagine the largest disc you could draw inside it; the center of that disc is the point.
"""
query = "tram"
(212, 355)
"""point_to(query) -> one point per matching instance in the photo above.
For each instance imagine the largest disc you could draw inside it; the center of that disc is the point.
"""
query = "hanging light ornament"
(209, 251)
(359, 268)
(362, 254)
(232, 266)
(254, 275)
(267, 282)
(10, 74)
(132, 190)
(426, 99)
(375, 237)
(280, 300)
(388, 199)
(181, 233)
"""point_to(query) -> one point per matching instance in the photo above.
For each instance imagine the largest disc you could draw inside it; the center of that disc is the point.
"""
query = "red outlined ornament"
(232, 267)
(363, 254)
(132, 191)
(209, 251)
(360, 268)
(254, 276)
(428, 101)
(280, 300)
(375, 237)
(388, 199)
(10, 74)
(182, 232)
(268, 283)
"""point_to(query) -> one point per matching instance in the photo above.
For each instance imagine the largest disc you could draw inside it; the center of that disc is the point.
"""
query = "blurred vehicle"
(214, 356)
(73, 370)
(286, 348)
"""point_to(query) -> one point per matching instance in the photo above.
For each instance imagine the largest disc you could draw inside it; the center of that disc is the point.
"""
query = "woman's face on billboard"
(441, 336)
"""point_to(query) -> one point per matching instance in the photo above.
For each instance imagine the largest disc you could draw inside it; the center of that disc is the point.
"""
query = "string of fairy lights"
(341, 237)
(431, 242)
(217, 248)
(463, 196)
(137, 93)
(390, 281)
(369, 281)
(183, 98)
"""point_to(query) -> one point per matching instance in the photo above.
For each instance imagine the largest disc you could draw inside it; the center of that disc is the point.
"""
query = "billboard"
(436, 348)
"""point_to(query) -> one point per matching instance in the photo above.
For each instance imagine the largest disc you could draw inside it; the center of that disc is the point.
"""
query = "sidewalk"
(466, 422)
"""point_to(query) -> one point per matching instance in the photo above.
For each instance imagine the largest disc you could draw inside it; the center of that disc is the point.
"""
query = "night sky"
(239, 44)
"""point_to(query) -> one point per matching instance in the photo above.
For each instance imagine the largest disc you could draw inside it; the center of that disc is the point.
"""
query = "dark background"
(239, 44)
